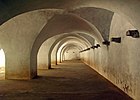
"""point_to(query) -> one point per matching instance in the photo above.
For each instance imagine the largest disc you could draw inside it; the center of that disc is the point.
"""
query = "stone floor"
(70, 80)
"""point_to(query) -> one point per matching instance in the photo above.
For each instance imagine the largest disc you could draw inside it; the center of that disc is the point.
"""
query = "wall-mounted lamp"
(87, 49)
(93, 47)
(81, 51)
(97, 45)
(106, 43)
(133, 33)
(116, 39)
(84, 50)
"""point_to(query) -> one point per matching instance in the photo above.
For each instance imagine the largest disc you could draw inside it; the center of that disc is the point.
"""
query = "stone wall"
(119, 62)
(71, 54)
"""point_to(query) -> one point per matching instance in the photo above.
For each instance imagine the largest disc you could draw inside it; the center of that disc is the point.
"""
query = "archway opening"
(2, 64)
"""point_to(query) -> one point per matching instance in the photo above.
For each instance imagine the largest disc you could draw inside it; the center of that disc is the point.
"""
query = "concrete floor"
(70, 80)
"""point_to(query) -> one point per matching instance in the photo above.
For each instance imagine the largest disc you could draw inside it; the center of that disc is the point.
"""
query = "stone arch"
(128, 11)
(57, 25)
(62, 38)
(59, 45)
(89, 38)
(65, 47)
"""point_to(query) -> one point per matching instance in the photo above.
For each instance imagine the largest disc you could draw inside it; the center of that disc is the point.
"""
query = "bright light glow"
(2, 58)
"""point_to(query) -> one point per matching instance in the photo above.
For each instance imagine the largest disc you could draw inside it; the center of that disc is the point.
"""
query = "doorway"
(2, 65)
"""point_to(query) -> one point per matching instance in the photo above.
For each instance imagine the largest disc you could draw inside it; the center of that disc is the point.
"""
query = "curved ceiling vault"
(64, 24)
(75, 42)
(63, 41)
(129, 8)
(66, 42)
(79, 9)
(68, 38)
(72, 43)
(65, 37)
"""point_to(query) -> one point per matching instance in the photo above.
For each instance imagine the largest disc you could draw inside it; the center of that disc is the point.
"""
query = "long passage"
(70, 80)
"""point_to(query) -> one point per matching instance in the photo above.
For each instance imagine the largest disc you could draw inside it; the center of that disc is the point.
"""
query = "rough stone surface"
(118, 62)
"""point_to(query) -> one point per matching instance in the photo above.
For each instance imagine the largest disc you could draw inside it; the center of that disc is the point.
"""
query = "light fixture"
(85, 50)
(133, 33)
(116, 39)
(106, 43)
(92, 47)
(97, 45)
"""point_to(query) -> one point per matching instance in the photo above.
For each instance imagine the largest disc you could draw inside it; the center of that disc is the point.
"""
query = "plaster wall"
(43, 58)
(54, 55)
(124, 58)
(16, 39)
(71, 54)
(119, 62)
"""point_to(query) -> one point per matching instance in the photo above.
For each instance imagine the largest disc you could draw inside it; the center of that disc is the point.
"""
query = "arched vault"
(61, 39)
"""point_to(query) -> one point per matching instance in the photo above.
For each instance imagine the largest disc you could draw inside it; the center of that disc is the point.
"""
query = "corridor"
(43, 41)
(70, 80)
